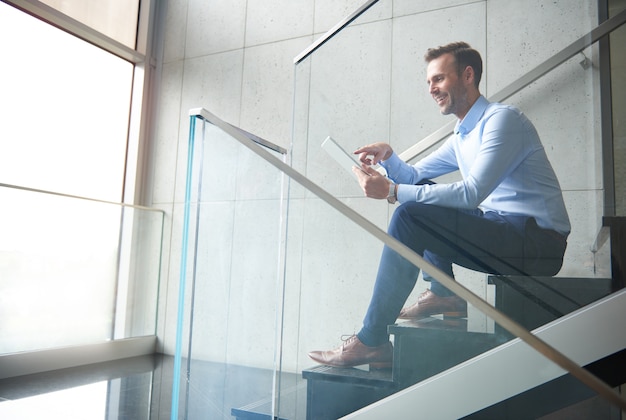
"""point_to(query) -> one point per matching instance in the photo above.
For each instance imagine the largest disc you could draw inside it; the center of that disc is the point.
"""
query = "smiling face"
(453, 91)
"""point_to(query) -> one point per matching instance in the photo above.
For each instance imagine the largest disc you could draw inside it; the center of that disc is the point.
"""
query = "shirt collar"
(472, 117)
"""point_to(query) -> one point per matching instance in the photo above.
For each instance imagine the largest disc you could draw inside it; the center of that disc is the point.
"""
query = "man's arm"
(442, 161)
(502, 147)
(376, 186)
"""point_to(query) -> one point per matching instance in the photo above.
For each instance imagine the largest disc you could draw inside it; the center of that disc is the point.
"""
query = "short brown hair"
(464, 55)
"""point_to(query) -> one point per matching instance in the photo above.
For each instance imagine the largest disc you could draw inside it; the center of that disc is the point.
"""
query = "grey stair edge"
(249, 409)
(552, 281)
(284, 392)
(427, 327)
(382, 377)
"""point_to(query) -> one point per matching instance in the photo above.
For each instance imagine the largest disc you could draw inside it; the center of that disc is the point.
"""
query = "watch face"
(391, 197)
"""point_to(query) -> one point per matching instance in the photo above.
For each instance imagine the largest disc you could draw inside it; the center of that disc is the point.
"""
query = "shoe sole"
(455, 314)
(372, 365)
(445, 315)
(380, 366)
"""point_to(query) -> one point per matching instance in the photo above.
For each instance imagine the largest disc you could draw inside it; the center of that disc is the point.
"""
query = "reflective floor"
(125, 389)
(141, 388)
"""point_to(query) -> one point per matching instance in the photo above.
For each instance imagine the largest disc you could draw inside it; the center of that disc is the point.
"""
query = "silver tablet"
(343, 158)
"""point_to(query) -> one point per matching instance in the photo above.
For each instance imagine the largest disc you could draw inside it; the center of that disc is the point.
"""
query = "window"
(64, 108)
(65, 121)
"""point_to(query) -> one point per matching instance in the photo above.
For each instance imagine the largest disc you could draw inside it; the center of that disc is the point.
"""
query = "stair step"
(291, 405)
(426, 347)
(422, 349)
(535, 301)
(375, 377)
(334, 392)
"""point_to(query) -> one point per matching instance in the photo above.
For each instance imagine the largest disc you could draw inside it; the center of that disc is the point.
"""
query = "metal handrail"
(333, 31)
(204, 114)
(58, 194)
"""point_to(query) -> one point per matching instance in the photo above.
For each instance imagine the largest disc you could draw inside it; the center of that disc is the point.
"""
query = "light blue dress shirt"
(503, 164)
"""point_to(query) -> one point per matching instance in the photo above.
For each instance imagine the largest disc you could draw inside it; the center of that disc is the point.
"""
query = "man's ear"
(468, 74)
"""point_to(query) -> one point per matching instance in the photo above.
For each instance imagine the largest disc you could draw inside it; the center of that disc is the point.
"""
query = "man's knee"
(407, 218)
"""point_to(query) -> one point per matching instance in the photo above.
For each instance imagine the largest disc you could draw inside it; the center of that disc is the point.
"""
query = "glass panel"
(55, 87)
(114, 18)
(75, 271)
(249, 324)
(232, 279)
(367, 84)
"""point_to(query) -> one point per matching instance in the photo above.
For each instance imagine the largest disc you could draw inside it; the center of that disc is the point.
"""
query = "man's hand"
(377, 151)
(374, 185)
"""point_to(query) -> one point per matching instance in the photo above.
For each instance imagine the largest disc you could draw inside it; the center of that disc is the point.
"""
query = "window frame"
(144, 64)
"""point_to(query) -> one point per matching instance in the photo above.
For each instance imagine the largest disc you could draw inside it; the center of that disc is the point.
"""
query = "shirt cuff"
(406, 192)
(392, 165)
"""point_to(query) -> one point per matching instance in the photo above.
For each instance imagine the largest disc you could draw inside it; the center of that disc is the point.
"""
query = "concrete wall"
(235, 58)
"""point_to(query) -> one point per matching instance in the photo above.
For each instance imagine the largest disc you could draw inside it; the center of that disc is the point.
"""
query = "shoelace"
(348, 340)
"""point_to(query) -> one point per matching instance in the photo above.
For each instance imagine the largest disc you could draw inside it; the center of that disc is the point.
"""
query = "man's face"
(446, 87)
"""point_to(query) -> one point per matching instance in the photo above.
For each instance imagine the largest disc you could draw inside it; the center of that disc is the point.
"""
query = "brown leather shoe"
(354, 353)
(429, 303)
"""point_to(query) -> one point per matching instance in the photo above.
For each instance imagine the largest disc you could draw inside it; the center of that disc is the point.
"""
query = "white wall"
(235, 58)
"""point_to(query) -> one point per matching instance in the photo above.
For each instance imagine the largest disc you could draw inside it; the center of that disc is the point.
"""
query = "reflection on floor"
(140, 388)
(112, 390)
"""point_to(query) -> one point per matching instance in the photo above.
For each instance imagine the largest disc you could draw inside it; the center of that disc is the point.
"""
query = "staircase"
(432, 345)
(426, 347)
(421, 349)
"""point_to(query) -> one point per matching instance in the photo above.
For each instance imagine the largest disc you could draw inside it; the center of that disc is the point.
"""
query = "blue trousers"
(485, 242)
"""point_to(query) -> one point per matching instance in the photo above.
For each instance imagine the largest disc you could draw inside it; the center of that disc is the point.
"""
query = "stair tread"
(567, 282)
(454, 325)
(431, 322)
(535, 301)
(291, 405)
(376, 377)
(434, 326)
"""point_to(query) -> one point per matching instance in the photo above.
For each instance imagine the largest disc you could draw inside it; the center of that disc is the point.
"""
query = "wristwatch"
(392, 197)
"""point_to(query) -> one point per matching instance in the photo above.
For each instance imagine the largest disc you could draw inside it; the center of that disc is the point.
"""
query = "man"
(506, 215)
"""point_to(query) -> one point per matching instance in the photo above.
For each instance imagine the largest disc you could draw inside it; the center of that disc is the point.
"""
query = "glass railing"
(267, 277)
(75, 271)
(367, 84)
(281, 254)
(233, 240)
